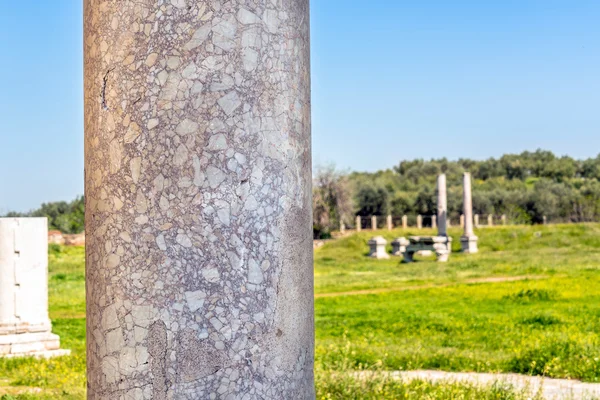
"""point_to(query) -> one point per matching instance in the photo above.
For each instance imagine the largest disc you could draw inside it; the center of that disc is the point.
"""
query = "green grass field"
(527, 303)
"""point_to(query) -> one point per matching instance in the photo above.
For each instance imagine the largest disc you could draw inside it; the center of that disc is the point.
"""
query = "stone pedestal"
(198, 200)
(377, 248)
(469, 244)
(25, 329)
(399, 246)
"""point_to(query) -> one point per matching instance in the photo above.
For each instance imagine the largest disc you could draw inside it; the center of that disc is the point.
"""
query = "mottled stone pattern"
(198, 185)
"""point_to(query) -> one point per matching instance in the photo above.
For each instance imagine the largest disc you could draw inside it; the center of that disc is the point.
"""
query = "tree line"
(525, 187)
(67, 217)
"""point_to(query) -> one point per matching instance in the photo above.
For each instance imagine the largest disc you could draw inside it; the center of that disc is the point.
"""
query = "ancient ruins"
(25, 328)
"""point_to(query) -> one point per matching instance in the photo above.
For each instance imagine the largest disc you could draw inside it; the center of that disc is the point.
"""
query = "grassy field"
(528, 303)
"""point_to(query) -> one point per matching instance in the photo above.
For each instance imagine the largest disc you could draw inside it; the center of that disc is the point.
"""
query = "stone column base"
(469, 244)
(39, 344)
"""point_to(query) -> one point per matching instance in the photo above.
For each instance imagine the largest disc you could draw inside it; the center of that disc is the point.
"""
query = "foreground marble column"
(25, 328)
(442, 205)
(468, 239)
(198, 200)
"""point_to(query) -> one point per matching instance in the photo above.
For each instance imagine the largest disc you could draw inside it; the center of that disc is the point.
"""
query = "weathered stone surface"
(377, 248)
(25, 328)
(198, 199)
(468, 240)
(441, 245)
(442, 205)
(399, 246)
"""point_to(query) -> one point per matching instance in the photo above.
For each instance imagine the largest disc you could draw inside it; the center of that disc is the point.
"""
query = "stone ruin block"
(25, 328)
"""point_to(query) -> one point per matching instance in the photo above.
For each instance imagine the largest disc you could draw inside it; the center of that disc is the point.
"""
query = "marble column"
(490, 220)
(442, 205)
(503, 219)
(419, 222)
(374, 223)
(25, 328)
(390, 223)
(468, 240)
(342, 227)
(358, 223)
(404, 221)
(198, 199)
(434, 222)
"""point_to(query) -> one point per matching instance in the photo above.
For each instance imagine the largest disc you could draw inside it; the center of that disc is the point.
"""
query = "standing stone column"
(374, 223)
(490, 220)
(434, 222)
(25, 329)
(468, 240)
(419, 222)
(358, 223)
(503, 219)
(198, 199)
(342, 227)
(404, 221)
(442, 205)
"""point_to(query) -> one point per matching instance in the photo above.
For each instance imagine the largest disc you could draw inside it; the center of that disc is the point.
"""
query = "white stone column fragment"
(377, 248)
(358, 223)
(25, 328)
(503, 219)
(442, 205)
(198, 199)
(490, 220)
(404, 221)
(419, 222)
(390, 223)
(468, 240)
(374, 223)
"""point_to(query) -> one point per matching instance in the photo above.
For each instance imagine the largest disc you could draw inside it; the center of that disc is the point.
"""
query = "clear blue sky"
(392, 80)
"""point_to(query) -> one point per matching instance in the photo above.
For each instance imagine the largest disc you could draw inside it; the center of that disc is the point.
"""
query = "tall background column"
(468, 240)
(442, 205)
(198, 199)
